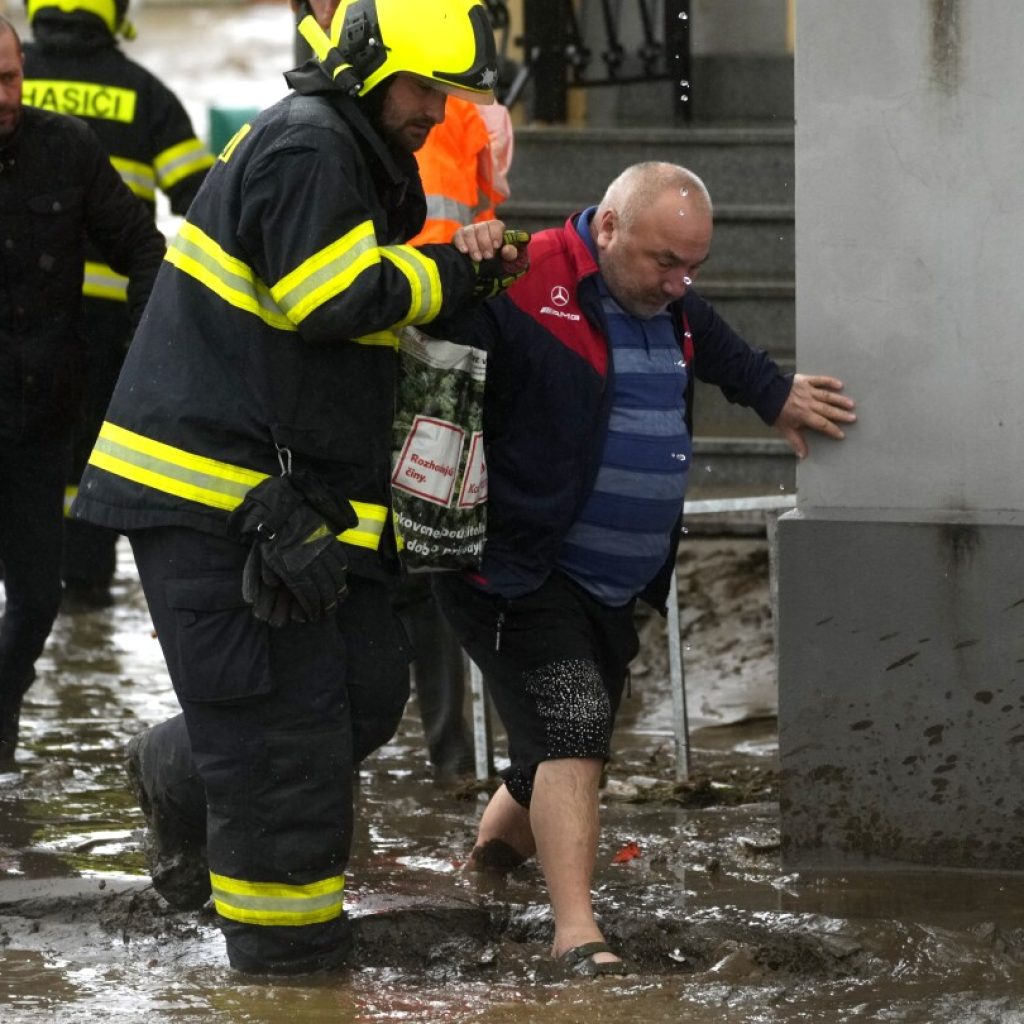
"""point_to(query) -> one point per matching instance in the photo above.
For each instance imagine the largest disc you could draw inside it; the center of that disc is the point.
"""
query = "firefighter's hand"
(297, 566)
(814, 403)
(506, 265)
(482, 239)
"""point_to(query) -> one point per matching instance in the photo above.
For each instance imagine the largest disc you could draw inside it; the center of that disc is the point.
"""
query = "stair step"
(748, 465)
(740, 165)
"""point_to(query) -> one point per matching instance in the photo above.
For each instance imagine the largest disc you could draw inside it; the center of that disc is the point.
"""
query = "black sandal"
(578, 960)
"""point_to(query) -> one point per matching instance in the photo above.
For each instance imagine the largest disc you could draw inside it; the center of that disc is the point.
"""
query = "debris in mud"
(729, 788)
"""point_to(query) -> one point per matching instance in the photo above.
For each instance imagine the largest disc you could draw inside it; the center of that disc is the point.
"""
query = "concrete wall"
(910, 239)
(901, 597)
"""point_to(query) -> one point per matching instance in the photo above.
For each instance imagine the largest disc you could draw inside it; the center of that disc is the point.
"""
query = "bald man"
(588, 420)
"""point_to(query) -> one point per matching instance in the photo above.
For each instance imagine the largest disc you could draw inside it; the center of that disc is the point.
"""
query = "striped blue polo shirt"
(621, 537)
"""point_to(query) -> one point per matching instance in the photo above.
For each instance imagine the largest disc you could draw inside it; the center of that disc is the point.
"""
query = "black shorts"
(555, 662)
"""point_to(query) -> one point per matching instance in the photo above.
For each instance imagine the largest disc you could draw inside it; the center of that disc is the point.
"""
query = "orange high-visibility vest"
(458, 177)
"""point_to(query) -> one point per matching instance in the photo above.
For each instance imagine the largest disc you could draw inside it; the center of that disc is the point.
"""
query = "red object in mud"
(629, 852)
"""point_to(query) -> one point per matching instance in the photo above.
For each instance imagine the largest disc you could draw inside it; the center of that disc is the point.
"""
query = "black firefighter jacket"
(57, 188)
(272, 331)
(75, 66)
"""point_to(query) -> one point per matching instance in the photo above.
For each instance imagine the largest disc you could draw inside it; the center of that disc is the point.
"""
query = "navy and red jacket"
(549, 396)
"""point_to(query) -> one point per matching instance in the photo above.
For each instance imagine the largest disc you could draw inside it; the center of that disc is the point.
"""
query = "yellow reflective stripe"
(83, 99)
(172, 470)
(70, 493)
(233, 142)
(277, 903)
(194, 253)
(367, 532)
(386, 339)
(137, 176)
(103, 282)
(178, 162)
(105, 10)
(327, 273)
(206, 481)
(424, 282)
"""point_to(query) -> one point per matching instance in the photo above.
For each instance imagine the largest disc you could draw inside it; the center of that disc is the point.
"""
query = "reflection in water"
(721, 933)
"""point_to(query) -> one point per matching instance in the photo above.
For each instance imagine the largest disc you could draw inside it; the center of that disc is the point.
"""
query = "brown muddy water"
(720, 931)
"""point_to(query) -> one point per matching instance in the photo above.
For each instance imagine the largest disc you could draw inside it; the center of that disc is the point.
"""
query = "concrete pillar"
(901, 573)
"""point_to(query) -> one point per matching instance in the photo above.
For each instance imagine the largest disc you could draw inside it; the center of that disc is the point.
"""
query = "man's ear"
(605, 225)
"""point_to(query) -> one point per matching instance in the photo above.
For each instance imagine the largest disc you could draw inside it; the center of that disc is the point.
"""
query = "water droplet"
(682, 213)
(685, 84)
(684, 98)
(707, 469)
(684, 191)
(683, 16)
(687, 281)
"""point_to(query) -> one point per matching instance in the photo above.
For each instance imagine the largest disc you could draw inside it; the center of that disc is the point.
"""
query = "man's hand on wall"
(814, 403)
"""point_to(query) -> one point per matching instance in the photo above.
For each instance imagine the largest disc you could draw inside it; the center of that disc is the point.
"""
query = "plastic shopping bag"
(439, 477)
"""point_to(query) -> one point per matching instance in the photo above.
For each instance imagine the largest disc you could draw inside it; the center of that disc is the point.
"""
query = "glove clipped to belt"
(297, 567)
(494, 275)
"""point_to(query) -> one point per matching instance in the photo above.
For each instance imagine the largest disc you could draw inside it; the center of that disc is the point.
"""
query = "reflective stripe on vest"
(139, 177)
(83, 99)
(277, 903)
(203, 480)
(442, 207)
(103, 282)
(70, 493)
(178, 162)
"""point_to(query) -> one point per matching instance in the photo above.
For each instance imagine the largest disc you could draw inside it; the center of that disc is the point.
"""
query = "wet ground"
(701, 903)
(720, 931)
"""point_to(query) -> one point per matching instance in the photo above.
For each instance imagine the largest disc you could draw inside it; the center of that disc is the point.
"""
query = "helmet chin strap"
(359, 40)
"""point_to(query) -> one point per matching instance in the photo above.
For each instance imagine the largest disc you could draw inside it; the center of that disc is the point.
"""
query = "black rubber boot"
(175, 851)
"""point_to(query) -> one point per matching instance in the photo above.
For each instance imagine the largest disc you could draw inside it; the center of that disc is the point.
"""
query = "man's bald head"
(6, 26)
(641, 186)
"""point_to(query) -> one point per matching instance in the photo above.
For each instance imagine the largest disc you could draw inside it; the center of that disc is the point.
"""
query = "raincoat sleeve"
(745, 375)
(308, 226)
(119, 224)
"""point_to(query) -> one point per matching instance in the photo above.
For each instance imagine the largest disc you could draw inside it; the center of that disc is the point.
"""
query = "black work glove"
(494, 275)
(297, 566)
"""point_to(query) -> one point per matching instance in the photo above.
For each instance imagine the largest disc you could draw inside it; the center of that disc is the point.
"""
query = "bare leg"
(504, 838)
(563, 814)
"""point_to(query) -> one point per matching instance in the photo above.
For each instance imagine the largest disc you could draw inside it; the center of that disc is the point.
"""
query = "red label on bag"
(474, 487)
(429, 461)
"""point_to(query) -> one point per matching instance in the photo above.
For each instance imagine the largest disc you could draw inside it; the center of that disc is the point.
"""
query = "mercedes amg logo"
(560, 295)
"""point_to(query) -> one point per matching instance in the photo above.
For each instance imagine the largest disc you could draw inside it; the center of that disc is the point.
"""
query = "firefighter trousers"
(276, 719)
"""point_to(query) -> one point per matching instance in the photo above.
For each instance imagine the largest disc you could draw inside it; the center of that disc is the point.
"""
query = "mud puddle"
(689, 883)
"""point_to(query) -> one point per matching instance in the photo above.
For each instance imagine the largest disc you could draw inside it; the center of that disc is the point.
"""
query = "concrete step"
(726, 466)
(751, 166)
(750, 240)
(762, 310)
(722, 87)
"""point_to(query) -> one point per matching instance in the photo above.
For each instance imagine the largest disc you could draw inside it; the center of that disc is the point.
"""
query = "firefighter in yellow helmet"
(246, 454)
(74, 65)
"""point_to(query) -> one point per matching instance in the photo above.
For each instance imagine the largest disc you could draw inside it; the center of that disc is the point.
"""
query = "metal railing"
(620, 42)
